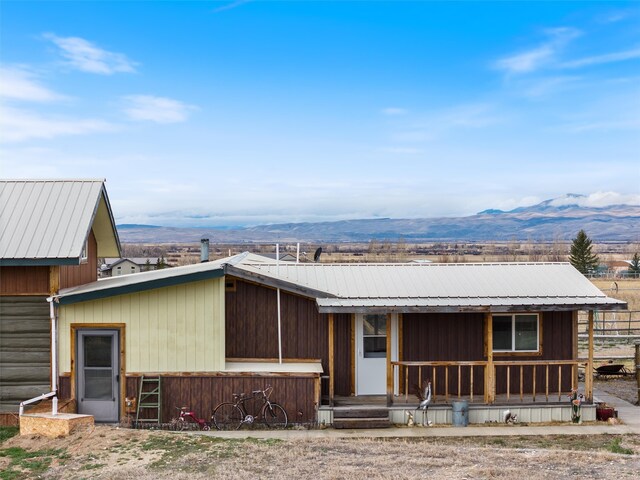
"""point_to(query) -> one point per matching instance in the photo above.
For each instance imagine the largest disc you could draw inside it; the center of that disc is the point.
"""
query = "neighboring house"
(619, 268)
(112, 267)
(51, 235)
(494, 334)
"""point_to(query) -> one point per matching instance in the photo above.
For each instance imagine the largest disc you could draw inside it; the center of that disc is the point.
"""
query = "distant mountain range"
(559, 218)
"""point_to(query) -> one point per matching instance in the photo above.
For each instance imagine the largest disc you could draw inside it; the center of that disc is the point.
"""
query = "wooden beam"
(353, 354)
(389, 366)
(489, 377)
(403, 378)
(589, 373)
(54, 279)
(331, 359)
(574, 344)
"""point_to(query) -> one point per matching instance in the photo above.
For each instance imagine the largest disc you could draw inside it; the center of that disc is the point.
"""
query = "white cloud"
(606, 58)
(21, 84)
(394, 111)
(87, 57)
(18, 125)
(540, 56)
(156, 109)
(597, 200)
(548, 86)
(616, 16)
(230, 6)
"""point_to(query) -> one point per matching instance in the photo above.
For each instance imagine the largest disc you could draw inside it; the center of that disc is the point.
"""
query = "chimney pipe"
(204, 250)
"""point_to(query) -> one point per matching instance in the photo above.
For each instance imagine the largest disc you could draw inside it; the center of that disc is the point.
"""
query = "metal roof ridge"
(34, 180)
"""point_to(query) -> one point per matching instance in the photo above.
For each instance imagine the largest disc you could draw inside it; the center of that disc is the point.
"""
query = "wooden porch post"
(389, 367)
(489, 372)
(574, 346)
(331, 359)
(588, 377)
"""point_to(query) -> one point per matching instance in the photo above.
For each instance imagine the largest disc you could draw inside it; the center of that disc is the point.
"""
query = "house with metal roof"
(51, 235)
(328, 335)
(112, 267)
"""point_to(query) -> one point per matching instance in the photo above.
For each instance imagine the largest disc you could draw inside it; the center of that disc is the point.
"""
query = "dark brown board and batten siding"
(202, 393)
(24, 281)
(86, 272)
(460, 337)
(252, 330)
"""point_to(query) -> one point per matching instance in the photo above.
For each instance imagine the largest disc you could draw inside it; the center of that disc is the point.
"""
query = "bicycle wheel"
(275, 416)
(227, 416)
(180, 424)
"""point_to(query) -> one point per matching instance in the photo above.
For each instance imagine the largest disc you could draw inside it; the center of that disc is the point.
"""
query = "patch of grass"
(615, 447)
(175, 447)
(33, 463)
(7, 432)
(547, 442)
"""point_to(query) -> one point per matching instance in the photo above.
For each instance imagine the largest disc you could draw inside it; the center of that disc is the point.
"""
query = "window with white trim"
(84, 256)
(519, 332)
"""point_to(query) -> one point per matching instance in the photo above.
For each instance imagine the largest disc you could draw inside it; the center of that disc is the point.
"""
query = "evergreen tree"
(160, 264)
(582, 258)
(634, 269)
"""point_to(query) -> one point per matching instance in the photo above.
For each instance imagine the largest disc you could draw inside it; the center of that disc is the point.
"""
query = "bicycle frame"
(232, 415)
(241, 399)
(185, 414)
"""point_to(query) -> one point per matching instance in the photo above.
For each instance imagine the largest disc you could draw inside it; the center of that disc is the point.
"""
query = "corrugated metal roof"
(396, 287)
(439, 285)
(48, 221)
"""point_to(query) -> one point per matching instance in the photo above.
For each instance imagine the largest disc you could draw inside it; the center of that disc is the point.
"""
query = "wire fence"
(616, 324)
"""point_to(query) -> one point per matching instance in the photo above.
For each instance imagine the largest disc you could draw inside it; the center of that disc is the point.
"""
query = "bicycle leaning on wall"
(232, 415)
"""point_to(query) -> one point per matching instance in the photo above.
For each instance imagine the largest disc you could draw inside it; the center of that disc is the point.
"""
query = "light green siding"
(171, 329)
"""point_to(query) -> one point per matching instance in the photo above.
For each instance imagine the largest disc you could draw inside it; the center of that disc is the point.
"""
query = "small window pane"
(98, 384)
(97, 351)
(375, 347)
(502, 333)
(526, 332)
(375, 325)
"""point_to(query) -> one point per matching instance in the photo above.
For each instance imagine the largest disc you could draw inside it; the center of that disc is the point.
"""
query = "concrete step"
(361, 422)
(351, 412)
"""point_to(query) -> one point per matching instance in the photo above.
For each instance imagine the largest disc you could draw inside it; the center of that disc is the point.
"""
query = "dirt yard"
(624, 388)
(107, 452)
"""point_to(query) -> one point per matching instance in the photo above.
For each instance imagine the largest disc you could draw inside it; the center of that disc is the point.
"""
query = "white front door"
(371, 352)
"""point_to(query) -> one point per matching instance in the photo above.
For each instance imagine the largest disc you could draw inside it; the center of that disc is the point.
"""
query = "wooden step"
(361, 422)
(351, 412)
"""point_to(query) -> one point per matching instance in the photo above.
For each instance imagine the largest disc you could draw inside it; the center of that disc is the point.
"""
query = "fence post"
(638, 369)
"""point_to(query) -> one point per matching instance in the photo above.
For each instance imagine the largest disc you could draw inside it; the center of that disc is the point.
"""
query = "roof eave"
(39, 262)
(373, 309)
(70, 298)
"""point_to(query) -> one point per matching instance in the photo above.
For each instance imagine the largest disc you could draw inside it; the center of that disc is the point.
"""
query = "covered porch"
(486, 377)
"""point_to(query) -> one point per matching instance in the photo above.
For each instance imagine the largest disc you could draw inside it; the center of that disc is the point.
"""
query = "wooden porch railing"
(431, 369)
(534, 365)
(404, 372)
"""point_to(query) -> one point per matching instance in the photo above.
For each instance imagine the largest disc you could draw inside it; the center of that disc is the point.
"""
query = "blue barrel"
(460, 413)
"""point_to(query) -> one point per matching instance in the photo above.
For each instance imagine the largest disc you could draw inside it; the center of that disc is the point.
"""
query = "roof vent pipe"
(204, 250)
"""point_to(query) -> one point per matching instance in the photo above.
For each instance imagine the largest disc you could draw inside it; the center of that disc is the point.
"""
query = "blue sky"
(241, 113)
